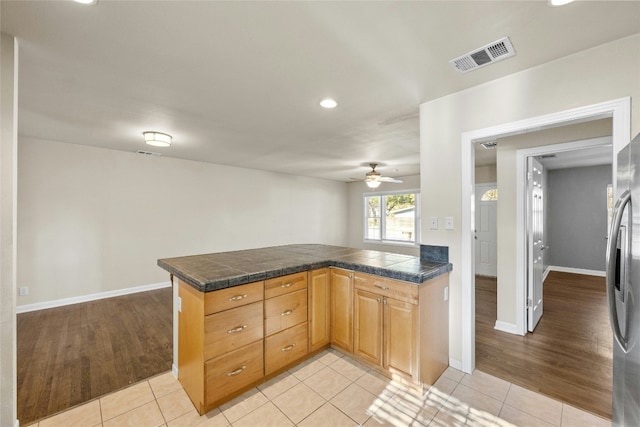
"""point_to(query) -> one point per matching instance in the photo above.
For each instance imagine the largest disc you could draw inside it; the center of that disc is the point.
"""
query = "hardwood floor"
(569, 355)
(72, 354)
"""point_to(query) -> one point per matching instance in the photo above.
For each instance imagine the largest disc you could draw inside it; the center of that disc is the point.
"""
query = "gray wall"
(577, 217)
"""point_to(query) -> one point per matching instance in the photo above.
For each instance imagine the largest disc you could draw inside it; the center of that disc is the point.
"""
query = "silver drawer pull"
(286, 285)
(288, 348)
(384, 288)
(236, 372)
(237, 297)
(286, 312)
(238, 329)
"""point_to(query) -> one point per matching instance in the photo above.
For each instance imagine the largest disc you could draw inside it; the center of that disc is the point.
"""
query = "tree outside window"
(391, 217)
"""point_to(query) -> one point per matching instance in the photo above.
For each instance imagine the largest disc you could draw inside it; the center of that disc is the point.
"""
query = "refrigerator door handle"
(612, 243)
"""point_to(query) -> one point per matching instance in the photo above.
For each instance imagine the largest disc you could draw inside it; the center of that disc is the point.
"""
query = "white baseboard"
(506, 327)
(577, 271)
(174, 370)
(91, 297)
(546, 273)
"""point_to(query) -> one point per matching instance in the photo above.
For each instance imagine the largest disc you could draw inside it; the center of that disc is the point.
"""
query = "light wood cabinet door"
(319, 309)
(367, 326)
(400, 334)
(342, 309)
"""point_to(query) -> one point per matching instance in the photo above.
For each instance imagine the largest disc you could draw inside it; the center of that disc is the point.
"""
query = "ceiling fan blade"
(389, 179)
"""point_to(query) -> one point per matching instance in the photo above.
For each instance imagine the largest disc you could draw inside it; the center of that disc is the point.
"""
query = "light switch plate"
(448, 223)
(433, 223)
(179, 304)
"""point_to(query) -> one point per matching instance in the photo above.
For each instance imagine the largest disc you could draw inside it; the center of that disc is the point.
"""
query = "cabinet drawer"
(284, 284)
(232, 371)
(401, 291)
(285, 347)
(231, 329)
(224, 299)
(285, 311)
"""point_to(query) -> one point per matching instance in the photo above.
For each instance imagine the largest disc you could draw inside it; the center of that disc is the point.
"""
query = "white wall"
(600, 74)
(356, 215)
(92, 220)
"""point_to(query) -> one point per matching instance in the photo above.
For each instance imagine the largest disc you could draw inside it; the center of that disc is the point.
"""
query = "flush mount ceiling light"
(559, 2)
(86, 1)
(157, 139)
(328, 103)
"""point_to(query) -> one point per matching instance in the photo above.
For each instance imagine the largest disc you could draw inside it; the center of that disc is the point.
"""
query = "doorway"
(617, 110)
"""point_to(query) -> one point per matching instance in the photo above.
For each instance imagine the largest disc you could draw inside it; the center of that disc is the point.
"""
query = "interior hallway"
(569, 355)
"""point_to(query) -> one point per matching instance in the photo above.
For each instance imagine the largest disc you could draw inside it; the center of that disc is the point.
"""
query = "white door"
(486, 234)
(535, 241)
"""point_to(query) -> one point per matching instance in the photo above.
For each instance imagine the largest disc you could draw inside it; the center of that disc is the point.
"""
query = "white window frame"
(382, 240)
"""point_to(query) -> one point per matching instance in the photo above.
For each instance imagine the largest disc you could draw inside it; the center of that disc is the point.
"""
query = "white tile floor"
(333, 390)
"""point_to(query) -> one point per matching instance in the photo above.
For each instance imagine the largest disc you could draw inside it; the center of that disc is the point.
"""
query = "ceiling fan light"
(373, 183)
(157, 139)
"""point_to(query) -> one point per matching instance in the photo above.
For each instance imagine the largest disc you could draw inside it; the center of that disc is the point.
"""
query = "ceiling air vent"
(493, 52)
(148, 153)
(489, 145)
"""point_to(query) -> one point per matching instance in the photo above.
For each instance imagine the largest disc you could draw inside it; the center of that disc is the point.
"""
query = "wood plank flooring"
(72, 354)
(569, 355)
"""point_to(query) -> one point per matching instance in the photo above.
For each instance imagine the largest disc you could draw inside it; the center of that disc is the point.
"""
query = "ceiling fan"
(373, 178)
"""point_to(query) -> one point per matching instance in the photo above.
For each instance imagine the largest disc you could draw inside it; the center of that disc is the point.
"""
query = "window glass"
(489, 195)
(391, 217)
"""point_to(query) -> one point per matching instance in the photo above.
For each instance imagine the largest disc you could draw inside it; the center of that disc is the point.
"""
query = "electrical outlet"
(446, 293)
(23, 290)
(433, 223)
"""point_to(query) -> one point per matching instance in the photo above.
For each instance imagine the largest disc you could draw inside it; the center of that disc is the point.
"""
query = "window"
(490, 195)
(391, 217)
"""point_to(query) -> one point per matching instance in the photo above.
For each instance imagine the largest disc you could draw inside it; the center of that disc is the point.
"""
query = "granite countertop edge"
(434, 270)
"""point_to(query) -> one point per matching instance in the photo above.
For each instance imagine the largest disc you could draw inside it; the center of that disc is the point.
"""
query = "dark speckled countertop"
(210, 272)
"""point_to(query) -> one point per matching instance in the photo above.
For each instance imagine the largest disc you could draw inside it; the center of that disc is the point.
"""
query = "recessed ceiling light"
(328, 103)
(157, 139)
(86, 1)
(559, 2)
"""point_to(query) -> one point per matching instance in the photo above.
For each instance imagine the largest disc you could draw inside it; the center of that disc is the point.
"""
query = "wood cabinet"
(401, 327)
(285, 321)
(319, 309)
(342, 309)
(232, 339)
(368, 326)
(220, 342)
(385, 331)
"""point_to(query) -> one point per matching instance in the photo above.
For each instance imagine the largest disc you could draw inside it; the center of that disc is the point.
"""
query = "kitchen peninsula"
(246, 316)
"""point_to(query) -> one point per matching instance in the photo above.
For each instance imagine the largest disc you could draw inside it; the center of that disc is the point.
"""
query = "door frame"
(619, 110)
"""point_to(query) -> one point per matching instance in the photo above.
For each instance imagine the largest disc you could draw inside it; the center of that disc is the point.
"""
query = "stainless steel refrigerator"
(623, 288)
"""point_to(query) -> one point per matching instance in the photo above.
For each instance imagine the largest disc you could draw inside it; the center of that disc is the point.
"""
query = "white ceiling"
(238, 83)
